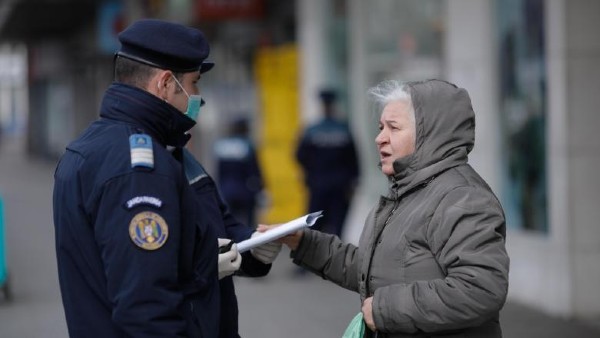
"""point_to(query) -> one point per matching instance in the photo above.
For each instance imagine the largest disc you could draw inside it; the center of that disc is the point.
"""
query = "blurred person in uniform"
(431, 260)
(238, 172)
(1, 134)
(138, 225)
(327, 155)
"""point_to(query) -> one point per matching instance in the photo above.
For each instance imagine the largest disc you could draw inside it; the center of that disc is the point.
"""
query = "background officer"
(327, 154)
(136, 254)
(238, 171)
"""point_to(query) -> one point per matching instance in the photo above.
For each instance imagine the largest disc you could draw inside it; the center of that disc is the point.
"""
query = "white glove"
(230, 261)
(267, 252)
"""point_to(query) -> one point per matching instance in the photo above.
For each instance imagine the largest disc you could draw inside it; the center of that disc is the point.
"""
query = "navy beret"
(165, 45)
(327, 95)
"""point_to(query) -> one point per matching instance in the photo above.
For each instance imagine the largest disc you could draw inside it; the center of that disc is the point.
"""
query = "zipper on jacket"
(387, 220)
(366, 281)
(396, 203)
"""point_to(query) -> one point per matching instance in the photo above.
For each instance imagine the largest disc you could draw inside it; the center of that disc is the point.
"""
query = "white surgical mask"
(194, 103)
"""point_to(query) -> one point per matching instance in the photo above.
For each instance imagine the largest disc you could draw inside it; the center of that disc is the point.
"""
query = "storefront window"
(522, 71)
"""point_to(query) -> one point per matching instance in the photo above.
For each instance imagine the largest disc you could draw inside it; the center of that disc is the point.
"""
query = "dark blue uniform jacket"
(327, 154)
(95, 181)
(110, 286)
(227, 226)
(238, 172)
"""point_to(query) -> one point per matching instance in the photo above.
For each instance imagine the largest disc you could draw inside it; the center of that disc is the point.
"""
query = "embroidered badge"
(148, 230)
(141, 151)
(145, 200)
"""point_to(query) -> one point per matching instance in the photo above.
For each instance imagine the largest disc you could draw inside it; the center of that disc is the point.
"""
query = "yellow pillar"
(276, 70)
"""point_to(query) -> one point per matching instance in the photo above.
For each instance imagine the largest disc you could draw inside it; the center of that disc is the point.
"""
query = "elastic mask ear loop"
(180, 86)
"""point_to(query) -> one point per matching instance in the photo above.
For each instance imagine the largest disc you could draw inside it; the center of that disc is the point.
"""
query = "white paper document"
(279, 231)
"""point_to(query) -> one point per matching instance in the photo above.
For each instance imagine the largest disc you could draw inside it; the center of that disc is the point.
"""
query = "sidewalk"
(519, 321)
(279, 306)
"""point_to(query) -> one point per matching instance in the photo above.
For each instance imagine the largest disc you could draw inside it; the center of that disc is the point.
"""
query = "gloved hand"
(230, 261)
(267, 252)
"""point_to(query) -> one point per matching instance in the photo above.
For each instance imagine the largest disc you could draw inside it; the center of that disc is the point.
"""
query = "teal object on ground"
(356, 328)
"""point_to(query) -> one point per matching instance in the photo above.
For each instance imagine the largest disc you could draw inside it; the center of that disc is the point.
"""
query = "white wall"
(367, 192)
(540, 263)
(582, 153)
(558, 272)
(537, 262)
(312, 20)
(470, 59)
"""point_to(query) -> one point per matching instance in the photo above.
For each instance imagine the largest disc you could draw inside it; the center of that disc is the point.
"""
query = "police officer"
(238, 171)
(327, 154)
(137, 249)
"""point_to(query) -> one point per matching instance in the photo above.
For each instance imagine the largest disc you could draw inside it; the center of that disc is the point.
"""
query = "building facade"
(530, 67)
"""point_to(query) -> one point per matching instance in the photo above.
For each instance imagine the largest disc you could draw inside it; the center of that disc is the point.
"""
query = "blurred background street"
(281, 305)
(530, 67)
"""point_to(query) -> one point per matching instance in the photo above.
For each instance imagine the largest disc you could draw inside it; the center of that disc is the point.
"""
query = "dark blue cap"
(165, 45)
(327, 95)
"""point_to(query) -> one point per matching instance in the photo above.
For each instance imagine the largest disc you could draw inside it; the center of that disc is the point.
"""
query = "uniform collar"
(153, 116)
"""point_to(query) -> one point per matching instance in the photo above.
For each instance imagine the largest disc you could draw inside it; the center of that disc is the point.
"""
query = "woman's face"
(397, 134)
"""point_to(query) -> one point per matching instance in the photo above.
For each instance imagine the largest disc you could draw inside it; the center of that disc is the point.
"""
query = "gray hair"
(389, 91)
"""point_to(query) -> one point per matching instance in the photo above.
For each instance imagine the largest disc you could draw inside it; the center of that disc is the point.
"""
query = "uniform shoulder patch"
(142, 154)
(148, 230)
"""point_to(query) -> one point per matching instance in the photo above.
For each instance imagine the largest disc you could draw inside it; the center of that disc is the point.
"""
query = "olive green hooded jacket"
(432, 253)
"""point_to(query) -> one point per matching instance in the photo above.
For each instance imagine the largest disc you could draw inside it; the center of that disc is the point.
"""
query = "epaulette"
(194, 171)
(142, 154)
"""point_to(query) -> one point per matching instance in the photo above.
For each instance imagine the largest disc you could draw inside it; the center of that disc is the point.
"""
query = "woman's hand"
(292, 241)
(367, 311)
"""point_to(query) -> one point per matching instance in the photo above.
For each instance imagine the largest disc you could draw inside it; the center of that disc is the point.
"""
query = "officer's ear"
(159, 85)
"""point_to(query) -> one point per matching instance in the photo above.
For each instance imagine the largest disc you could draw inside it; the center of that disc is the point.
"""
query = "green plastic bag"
(356, 328)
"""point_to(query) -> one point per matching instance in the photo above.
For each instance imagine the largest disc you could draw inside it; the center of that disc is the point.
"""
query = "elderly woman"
(431, 260)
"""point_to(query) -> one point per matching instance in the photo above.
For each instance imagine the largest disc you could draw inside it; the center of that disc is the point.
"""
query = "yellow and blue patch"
(148, 230)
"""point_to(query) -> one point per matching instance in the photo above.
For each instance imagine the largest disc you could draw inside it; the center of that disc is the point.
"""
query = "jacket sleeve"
(142, 283)
(327, 256)
(467, 236)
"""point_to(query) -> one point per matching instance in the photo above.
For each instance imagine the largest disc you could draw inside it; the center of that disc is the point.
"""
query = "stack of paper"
(279, 231)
